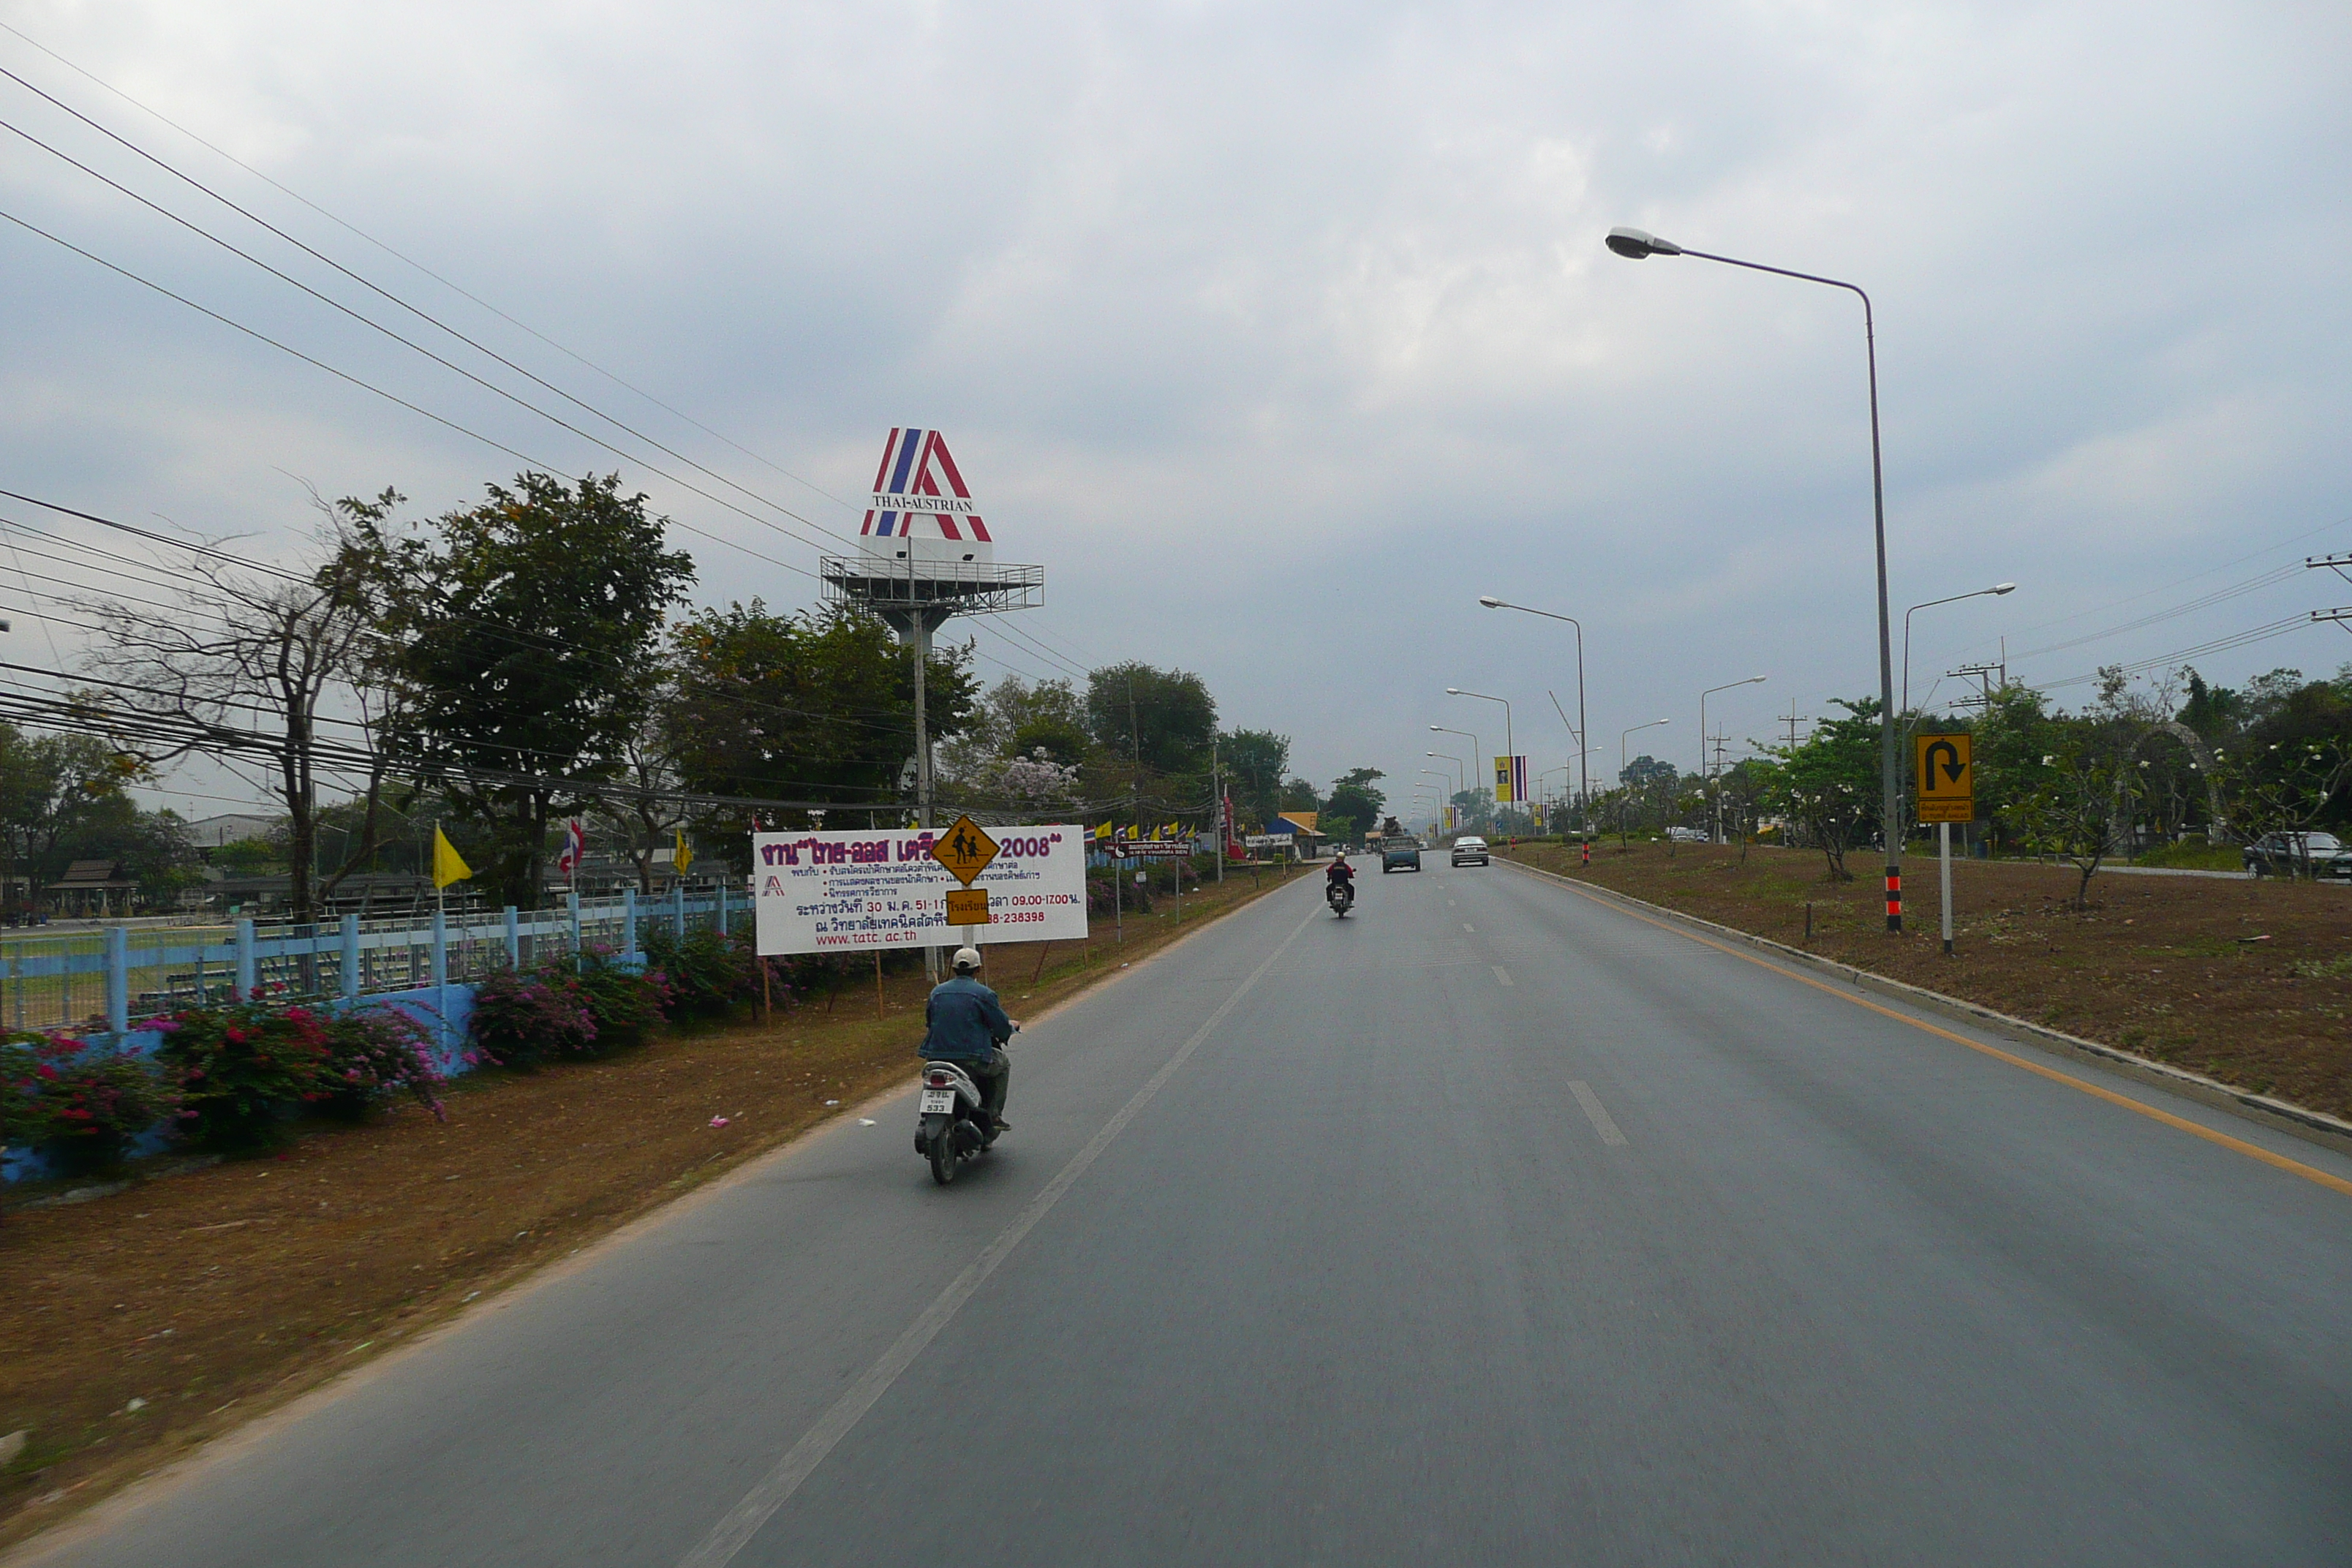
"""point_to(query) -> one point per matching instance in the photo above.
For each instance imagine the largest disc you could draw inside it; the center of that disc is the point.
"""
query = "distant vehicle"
(1686, 836)
(1400, 854)
(2291, 854)
(1466, 850)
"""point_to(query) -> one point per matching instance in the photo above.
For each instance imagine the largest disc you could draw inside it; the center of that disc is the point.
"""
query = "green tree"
(1161, 721)
(1356, 800)
(814, 706)
(1254, 761)
(525, 635)
(1829, 783)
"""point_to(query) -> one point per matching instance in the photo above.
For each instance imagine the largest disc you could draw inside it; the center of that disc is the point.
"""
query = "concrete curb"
(2312, 1126)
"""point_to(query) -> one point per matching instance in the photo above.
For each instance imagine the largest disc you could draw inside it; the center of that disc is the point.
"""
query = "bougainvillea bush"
(242, 1068)
(522, 1017)
(81, 1105)
(708, 971)
(625, 1001)
(374, 1056)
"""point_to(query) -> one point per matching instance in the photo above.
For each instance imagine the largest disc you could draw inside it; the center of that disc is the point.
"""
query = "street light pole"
(1584, 781)
(1928, 605)
(1442, 730)
(1510, 752)
(1706, 772)
(1635, 245)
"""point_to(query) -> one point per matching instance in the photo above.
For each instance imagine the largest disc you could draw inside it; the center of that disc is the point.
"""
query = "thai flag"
(576, 847)
(914, 463)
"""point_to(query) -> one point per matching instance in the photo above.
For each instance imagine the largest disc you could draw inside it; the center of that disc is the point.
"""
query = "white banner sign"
(844, 893)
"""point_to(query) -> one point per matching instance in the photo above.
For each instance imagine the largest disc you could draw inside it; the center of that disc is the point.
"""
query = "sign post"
(1944, 767)
(966, 851)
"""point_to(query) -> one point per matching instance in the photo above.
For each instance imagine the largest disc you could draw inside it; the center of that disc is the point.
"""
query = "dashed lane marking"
(1501, 973)
(1596, 1113)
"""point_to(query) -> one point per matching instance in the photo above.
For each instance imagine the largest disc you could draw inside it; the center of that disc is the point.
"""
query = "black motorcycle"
(1341, 894)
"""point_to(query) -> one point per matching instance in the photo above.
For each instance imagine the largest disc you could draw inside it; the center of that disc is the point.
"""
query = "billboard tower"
(925, 554)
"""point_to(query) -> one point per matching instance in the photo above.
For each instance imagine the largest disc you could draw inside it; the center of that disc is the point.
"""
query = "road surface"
(1493, 1225)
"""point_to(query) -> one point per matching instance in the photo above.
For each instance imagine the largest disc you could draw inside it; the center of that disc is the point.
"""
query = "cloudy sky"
(1277, 334)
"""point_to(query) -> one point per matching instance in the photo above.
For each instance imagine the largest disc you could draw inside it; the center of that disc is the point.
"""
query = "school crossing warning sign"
(1944, 769)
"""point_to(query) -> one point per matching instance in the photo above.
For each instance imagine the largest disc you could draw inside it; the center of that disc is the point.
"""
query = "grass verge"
(2249, 983)
(141, 1323)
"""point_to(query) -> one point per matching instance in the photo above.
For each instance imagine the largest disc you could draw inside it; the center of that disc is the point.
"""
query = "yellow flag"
(1103, 831)
(682, 857)
(448, 866)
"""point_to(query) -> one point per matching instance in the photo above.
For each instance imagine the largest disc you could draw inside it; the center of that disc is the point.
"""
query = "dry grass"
(2248, 982)
(215, 1294)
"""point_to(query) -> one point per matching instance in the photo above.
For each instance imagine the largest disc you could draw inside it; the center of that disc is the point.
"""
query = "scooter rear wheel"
(938, 1134)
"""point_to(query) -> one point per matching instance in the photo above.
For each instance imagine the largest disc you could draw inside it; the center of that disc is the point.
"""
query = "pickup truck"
(1401, 853)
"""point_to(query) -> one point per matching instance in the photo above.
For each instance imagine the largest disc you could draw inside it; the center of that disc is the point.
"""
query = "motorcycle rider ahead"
(968, 1026)
(1339, 873)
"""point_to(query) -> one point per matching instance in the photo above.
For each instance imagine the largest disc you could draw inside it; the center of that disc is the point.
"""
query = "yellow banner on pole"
(682, 856)
(448, 866)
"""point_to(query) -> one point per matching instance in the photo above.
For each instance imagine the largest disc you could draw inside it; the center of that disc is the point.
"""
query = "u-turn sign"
(1946, 776)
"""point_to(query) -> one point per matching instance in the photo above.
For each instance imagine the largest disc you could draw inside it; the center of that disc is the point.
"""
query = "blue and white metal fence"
(108, 979)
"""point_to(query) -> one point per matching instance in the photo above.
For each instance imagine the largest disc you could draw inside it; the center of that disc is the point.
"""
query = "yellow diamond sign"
(964, 851)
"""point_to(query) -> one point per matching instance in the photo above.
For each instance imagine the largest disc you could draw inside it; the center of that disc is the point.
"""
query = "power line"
(346, 376)
(393, 299)
(410, 343)
(412, 262)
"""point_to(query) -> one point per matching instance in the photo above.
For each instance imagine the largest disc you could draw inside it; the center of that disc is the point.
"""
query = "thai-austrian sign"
(843, 892)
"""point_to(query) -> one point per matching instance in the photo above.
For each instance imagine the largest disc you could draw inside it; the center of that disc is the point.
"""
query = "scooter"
(1341, 897)
(951, 1127)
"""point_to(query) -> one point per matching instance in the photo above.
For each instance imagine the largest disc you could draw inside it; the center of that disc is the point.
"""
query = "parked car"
(2287, 854)
(1400, 854)
(1686, 835)
(1469, 850)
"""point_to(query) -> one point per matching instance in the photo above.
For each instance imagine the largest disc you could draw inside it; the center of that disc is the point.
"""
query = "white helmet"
(967, 958)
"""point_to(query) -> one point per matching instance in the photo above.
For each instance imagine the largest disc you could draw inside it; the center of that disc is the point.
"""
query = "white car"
(1465, 850)
(1687, 834)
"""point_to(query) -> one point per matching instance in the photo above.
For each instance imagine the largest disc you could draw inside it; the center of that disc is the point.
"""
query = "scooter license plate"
(939, 1103)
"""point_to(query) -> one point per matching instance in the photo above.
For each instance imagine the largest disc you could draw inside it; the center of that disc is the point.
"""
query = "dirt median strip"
(143, 1323)
(2301, 1122)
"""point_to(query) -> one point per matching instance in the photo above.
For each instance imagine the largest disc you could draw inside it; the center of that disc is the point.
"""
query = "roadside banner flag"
(576, 847)
(682, 855)
(1103, 831)
(1510, 780)
(448, 866)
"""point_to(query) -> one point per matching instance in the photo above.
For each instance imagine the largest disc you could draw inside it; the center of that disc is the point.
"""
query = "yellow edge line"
(2251, 1150)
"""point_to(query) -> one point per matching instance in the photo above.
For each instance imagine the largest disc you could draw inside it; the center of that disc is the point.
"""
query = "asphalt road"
(1489, 1226)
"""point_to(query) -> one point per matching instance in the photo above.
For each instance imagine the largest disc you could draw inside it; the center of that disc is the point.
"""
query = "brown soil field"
(139, 1324)
(2247, 982)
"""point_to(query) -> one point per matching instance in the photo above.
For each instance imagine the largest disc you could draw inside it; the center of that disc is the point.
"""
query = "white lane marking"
(1501, 973)
(1468, 926)
(775, 1489)
(1596, 1113)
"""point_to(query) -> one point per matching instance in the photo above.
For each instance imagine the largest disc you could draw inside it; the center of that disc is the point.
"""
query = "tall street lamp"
(1706, 769)
(1636, 245)
(1509, 751)
(1584, 782)
(1623, 766)
(1461, 773)
(1442, 730)
(1927, 604)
